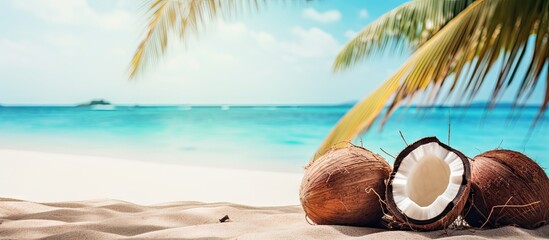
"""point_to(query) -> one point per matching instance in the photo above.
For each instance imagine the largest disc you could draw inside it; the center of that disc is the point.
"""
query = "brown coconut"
(428, 187)
(508, 188)
(344, 186)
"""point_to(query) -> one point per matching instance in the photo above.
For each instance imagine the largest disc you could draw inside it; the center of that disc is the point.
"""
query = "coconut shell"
(452, 210)
(511, 179)
(340, 187)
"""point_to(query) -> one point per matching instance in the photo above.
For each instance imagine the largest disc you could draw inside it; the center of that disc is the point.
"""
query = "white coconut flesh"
(428, 179)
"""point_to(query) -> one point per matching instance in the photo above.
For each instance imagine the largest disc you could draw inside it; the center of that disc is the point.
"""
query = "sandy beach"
(52, 177)
(113, 219)
(157, 203)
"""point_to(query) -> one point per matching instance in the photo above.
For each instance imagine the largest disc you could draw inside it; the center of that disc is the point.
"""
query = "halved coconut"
(508, 188)
(429, 185)
(345, 187)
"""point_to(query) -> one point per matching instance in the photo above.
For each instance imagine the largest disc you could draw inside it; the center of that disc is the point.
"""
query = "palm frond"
(181, 18)
(407, 26)
(460, 55)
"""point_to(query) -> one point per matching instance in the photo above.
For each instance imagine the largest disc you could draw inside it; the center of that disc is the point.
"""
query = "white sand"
(62, 178)
(47, 177)
(110, 219)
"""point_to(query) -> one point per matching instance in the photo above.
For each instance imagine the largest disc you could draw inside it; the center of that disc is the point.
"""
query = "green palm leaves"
(460, 55)
(409, 25)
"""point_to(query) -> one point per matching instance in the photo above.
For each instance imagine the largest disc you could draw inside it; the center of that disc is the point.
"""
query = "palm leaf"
(180, 18)
(486, 34)
(410, 24)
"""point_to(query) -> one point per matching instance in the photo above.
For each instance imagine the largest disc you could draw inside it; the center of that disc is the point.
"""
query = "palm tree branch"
(409, 25)
(473, 41)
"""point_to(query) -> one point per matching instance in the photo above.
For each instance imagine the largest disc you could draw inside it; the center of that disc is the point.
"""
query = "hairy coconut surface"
(345, 187)
(429, 185)
(508, 188)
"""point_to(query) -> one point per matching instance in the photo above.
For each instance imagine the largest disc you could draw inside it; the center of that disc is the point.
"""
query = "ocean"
(270, 138)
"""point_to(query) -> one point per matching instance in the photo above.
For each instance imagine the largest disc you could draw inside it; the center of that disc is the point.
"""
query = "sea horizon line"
(470, 105)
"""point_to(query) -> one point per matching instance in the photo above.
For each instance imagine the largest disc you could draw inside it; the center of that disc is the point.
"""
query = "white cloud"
(303, 43)
(350, 33)
(324, 17)
(74, 12)
(236, 64)
(363, 13)
(311, 43)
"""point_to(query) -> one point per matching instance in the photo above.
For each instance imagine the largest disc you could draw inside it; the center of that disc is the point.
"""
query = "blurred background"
(253, 92)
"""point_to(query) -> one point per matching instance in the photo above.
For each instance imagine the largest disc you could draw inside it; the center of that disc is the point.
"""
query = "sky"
(63, 52)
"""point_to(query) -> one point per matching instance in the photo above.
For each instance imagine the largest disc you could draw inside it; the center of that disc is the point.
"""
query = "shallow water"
(259, 137)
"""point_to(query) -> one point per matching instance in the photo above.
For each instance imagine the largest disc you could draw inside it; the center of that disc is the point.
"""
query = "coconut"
(508, 188)
(429, 185)
(344, 187)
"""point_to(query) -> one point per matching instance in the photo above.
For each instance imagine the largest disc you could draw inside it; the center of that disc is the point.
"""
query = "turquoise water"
(264, 138)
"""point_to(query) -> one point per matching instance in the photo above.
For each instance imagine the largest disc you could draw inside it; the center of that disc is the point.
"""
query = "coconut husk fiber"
(343, 187)
(508, 188)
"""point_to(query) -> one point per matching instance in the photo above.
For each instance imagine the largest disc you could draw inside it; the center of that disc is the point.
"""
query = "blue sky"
(71, 51)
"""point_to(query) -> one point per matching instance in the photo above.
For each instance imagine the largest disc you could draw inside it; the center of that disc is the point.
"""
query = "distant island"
(97, 104)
